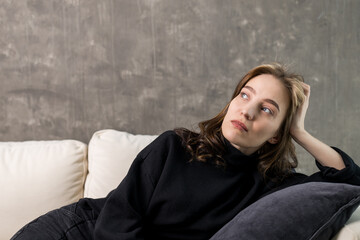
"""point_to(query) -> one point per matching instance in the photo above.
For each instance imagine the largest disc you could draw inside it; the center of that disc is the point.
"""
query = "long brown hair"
(275, 160)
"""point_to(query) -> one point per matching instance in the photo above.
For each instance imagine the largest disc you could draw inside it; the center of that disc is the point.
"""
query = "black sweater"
(165, 196)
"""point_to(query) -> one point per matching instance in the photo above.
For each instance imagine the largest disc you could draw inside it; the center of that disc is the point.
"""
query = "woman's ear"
(274, 140)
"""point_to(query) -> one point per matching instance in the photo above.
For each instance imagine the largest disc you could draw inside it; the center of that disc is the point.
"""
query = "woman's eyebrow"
(266, 100)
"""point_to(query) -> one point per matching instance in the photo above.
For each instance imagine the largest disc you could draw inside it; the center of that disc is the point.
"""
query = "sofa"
(39, 176)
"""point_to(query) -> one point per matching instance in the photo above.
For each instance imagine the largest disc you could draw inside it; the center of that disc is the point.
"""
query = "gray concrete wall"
(71, 67)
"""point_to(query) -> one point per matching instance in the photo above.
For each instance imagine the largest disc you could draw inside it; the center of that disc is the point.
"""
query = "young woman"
(187, 185)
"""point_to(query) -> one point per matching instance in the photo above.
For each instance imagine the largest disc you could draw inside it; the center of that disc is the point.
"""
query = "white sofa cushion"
(111, 153)
(36, 177)
(351, 230)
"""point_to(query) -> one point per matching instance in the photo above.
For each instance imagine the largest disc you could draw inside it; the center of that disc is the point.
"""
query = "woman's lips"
(239, 125)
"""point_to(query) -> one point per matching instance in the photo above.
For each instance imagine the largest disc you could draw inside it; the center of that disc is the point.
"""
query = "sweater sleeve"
(350, 174)
(122, 216)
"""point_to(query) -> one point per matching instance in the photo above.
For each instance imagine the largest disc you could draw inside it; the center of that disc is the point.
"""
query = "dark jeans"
(69, 222)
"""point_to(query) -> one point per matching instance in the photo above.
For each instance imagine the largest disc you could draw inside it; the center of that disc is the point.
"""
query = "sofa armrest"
(36, 177)
(351, 230)
(111, 153)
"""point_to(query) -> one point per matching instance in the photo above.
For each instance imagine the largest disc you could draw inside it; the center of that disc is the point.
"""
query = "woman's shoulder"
(162, 144)
(178, 135)
(168, 134)
(167, 137)
(154, 157)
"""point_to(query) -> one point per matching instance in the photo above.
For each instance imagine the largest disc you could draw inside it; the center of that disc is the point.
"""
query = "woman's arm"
(123, 214)
(323, 153)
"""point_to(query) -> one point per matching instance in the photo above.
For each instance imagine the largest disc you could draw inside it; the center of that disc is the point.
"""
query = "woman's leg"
(70, 222)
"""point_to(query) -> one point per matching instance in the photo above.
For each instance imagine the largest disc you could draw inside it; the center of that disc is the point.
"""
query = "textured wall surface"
(71, 67)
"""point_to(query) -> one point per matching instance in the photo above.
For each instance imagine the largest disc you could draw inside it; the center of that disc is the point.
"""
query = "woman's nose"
(249, 113)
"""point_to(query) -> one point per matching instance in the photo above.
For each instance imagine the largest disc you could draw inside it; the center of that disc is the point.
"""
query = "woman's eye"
(244, 95)
(267, 110)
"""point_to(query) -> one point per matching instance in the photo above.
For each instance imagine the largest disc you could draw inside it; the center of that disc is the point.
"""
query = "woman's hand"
(319, 150)
(298, 123)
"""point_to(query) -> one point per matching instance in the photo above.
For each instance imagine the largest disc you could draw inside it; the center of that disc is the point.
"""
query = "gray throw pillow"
(309, 211)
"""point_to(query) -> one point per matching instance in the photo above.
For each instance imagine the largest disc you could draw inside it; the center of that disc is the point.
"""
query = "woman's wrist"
(323, 153)
(299, 135)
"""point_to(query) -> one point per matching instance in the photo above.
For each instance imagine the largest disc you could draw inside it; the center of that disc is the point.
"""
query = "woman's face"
(255, 115)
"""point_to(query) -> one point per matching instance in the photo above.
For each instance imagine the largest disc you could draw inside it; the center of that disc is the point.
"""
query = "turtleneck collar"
(235, 158)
